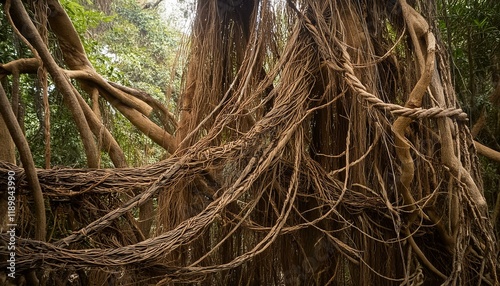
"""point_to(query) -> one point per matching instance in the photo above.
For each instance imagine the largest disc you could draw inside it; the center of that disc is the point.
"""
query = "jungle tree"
(472, 34)
(315, 142)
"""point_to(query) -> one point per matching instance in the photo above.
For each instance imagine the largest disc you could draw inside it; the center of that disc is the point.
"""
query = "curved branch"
(487, 151)
(88, 75)
(27, 160)
(149, 128)
(109, 144)
(23, 22)
(133, 108)
(151, 101)
(30, 65)
(415, 22)
(76, 58)
(422, 256)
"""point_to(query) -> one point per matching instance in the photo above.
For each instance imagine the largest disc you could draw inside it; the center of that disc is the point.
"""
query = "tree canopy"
(280, 143)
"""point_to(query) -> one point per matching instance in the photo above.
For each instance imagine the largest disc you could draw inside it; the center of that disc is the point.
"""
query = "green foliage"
(10, 46)
(84, 18)
(472, 33)
(471, 30)
(7, 50)
(491, 173)
(66, 147)
(133, 47)
(137, 49)
(128, 45)
(139, 149)
(141, 46)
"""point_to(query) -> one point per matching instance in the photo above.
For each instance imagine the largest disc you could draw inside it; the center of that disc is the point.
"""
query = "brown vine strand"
(415, 113)
(342, 62)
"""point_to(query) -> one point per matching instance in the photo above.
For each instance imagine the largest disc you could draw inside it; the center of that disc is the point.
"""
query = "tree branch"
(149, 128)
(109, 144)
(133, 108)
(76, 58)
(27, 161)
(170, 118)
(487, 151)
(21, 65)
(23, 23)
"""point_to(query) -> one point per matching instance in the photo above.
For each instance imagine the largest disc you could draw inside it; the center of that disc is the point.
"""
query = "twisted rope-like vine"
(373, 100)
(343, 62)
